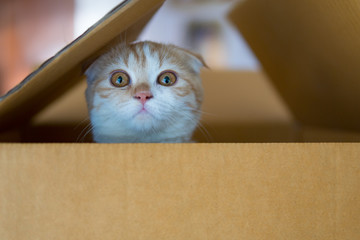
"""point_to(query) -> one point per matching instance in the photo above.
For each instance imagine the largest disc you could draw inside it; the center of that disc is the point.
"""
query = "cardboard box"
(310, 50)
(182, 191)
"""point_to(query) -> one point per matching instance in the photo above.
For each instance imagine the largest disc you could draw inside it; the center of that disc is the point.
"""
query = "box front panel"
(179, 191)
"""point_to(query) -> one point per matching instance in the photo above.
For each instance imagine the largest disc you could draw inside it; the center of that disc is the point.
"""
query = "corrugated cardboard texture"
(180, 191)
(61, 72)
(311, 51)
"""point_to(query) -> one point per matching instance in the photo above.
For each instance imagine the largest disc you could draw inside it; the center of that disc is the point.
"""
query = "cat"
(144, 92)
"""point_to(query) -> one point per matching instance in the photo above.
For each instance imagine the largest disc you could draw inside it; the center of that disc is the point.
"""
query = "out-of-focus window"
(30, 32)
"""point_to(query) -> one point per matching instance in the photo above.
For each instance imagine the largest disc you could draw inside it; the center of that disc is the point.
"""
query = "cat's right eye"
(119, 78)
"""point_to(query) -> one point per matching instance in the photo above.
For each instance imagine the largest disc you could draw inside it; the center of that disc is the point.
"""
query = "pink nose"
(143, 96)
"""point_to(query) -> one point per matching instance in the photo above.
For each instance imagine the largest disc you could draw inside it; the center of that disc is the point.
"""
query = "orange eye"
(119, 78)
(167, 78)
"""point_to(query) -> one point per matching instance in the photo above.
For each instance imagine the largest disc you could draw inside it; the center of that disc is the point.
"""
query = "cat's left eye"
(119, 78)
(167, 78)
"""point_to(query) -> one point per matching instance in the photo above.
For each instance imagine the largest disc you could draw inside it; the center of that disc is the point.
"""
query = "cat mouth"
(143, 113)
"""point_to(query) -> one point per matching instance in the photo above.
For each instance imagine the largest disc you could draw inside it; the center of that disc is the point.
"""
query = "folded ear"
(88, 71)
(197, 60)
(88, 66)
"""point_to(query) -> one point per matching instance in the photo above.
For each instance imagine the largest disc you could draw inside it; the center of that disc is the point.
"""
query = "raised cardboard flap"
(311, 51)
(63, 70)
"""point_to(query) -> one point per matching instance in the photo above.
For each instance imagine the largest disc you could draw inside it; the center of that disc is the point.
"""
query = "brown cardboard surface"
(235, 97)
(311, 51)
(62, 71)
(316, 134)
(180, 191)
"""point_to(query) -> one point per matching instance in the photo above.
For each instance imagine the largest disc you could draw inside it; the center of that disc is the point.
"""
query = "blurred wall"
(202, 26)
(31, 31)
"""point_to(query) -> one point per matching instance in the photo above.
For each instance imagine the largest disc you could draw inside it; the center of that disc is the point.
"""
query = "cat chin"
(143, 128)
(147, 120)
(143, 121)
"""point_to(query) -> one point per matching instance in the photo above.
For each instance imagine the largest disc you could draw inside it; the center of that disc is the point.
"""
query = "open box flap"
(63, 70)
(311, 52)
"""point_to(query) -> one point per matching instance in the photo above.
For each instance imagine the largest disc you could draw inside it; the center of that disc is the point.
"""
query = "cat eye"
(119, 78)
(167, 78)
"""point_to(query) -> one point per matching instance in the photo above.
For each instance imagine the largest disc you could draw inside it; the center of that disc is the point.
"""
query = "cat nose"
(143, 96)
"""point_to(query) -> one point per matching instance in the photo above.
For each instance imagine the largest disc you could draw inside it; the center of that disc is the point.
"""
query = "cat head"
(144, 90)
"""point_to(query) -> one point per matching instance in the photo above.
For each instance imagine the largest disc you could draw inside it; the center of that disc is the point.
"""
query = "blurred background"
(32, 31)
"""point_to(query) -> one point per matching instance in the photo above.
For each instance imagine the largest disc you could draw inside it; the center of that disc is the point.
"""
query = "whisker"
(201, 128)
(87, 132)
(198, 111)
(205, 132)
(85, 129)
(81, 122)
(190, 118)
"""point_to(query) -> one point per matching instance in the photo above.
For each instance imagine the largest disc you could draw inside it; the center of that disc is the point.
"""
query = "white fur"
(169, 118)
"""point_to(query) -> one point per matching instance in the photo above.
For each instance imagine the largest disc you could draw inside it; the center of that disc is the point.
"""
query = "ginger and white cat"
(144, 92)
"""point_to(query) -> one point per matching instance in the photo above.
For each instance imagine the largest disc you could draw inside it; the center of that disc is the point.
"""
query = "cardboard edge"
(21, 103)
(60, 52)
(333, 104)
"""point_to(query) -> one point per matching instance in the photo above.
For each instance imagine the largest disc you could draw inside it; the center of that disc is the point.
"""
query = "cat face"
(144, 92)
